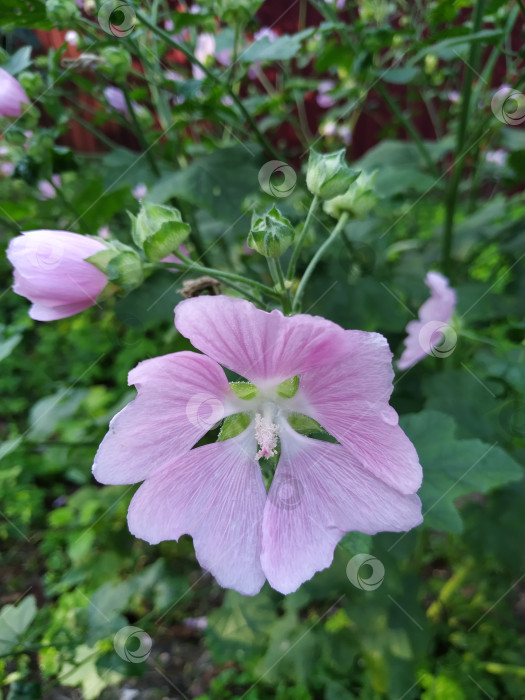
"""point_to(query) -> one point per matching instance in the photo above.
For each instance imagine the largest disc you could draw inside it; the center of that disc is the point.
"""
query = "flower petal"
(260, 346)
(216, 494)
(349, 399)
(180, 397)
(434, 315)
(41, 312)
(319, 493)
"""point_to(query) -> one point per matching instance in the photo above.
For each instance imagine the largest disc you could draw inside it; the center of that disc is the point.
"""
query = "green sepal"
(167, 239)
(289, 387)
(234, 425)
(244, 390)
(158, 230)
(102, 259)
(328, 175)
(304, 424)
(271, 234)
(125, 269)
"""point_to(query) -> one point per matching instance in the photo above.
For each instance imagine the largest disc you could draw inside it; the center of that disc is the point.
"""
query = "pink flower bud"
(51, 271)
(12, 95)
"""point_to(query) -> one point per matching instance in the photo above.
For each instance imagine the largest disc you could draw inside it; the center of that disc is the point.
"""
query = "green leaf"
(14, 621)
(47, 413)
(281, 49)
(244, 390)
(19, 61)
(453, 468)
(356, 543)
(234, 425)
(32, 15)
(8, 344)
(203, 182)
(289, 387)
(445, 49)
(399, 76)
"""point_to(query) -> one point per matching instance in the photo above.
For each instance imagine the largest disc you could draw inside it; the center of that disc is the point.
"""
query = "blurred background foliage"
(407, 87)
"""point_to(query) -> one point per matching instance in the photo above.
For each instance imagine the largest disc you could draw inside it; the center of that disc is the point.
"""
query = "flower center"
(266, 432)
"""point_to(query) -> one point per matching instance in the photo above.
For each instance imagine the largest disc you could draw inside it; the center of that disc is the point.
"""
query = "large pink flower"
(431, 334)
(216, 493)
(51, 271)
(12, 95)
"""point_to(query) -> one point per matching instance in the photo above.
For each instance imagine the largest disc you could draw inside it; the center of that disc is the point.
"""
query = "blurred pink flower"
(71, 37)
(51, 271)
(104, 232)
(169, 25)
(498, 157)
(323, 99)
(265, 33)
(12, 95)
(204, 48)
(431, 329)
(139, 191)
(454, 96)
(47, 189)
(7, 169)
(216, 492)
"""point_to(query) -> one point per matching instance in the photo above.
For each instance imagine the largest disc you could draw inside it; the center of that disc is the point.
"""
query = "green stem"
(276, 271)
(138, 131)
(313, 262)
(409, 127)
(180, 47)
(459, 162)
(300, 241)
(189, 265)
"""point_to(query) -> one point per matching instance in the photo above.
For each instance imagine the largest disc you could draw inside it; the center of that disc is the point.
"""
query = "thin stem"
(189, 265)
(138, 131)
(195, 61)
(276, 271)
(451, 202)
(300, 241)
(409, 127)
(313, 262)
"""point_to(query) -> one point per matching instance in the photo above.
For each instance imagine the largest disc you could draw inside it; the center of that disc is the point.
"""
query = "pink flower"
(7, 169)
(431, 334)
(139, 191)
(71, 37)
(47, 189)
(12, 95)
(265, 33)
(498, 157)
(116, 99)
(216, 492)
(51, 271)
(204, 48)
(323, 99)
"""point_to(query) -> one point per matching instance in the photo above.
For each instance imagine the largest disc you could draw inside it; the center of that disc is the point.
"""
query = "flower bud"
(62, 12)
(158, 230)
(12, 95)
(271, 234)
(53, 272)
(117, 63)
(328, 175)
(359, 199)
